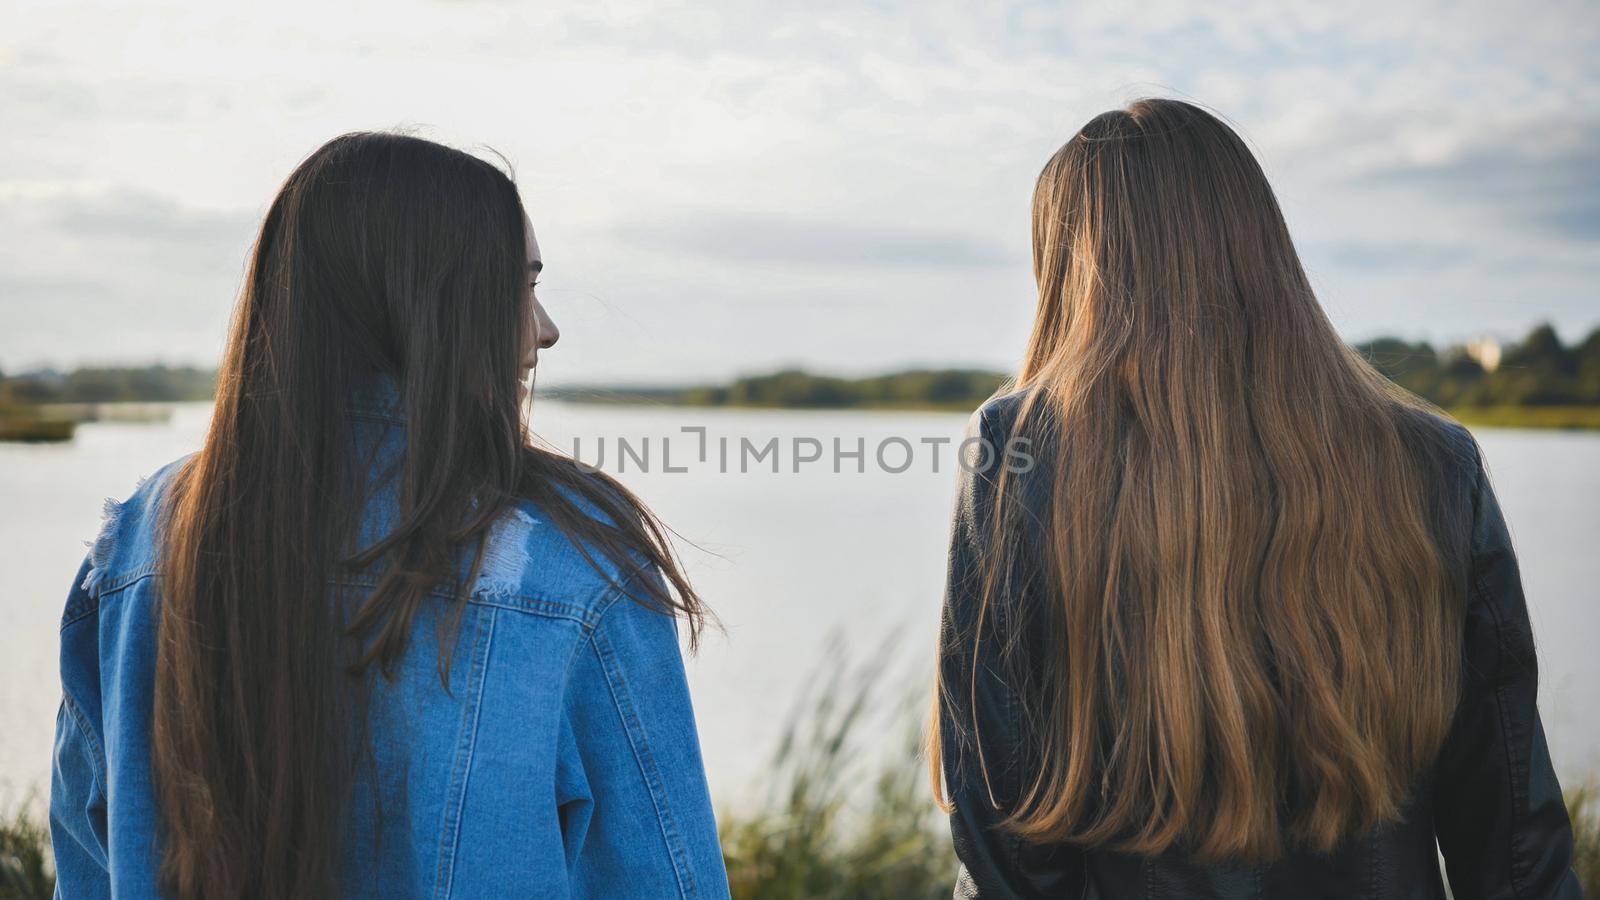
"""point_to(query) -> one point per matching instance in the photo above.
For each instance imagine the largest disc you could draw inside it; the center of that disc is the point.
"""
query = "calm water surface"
(788, 560)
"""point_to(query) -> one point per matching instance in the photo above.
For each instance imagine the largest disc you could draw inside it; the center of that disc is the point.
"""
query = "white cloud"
(143, 139)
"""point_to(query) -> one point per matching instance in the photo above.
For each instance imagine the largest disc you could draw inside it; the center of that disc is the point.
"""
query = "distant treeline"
(148, 384)
(1537, 371)
(951, 389)
(941, 389)
(1548, 380)
(1535, 375)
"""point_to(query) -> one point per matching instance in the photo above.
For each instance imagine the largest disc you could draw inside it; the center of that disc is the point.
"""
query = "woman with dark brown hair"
(1251, 624)
(370, 640)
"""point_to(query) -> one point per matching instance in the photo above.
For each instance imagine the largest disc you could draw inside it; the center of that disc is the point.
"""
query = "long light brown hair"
(1251, 603)
(383, 257)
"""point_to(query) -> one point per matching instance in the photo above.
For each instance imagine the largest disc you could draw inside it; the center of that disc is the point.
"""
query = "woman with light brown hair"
(1251, 624)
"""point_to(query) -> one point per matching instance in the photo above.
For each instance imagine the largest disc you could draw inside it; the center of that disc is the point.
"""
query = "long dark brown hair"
(383, 256)
(1251, 595)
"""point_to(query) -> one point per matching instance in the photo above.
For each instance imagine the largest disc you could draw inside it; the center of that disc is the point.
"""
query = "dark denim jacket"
(562, 761)
(1491, 802)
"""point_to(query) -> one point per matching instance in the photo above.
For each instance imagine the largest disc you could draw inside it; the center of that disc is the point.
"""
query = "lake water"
(789, 560)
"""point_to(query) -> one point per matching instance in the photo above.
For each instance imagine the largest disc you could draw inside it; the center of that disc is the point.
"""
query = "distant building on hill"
(1485, 351)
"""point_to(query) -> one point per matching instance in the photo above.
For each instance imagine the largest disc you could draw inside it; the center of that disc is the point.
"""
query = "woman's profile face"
(539, 332)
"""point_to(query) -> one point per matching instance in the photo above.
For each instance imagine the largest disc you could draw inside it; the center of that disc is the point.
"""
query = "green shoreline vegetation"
(941, 390)
(830, 826)
(48, 406)
(1537, 382)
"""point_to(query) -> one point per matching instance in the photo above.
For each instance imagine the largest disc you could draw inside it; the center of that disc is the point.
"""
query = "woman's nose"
(544, 327)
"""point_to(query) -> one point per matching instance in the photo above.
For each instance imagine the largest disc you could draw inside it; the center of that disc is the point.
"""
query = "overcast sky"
(720, 188)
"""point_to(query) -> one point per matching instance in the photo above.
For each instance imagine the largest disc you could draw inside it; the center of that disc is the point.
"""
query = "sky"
(727, 188)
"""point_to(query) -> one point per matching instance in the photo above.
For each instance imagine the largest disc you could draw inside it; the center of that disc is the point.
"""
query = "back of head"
(1257, 614)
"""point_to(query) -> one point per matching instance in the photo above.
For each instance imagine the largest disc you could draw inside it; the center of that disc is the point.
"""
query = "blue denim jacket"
(562, 762)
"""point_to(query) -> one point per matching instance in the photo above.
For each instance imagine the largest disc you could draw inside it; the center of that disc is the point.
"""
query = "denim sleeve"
(643, 825)
(77, 774)
(1499, 815)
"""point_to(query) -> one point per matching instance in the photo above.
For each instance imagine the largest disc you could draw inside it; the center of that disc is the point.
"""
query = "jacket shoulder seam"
(526, 604)
(104, 592)
(588, 617)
